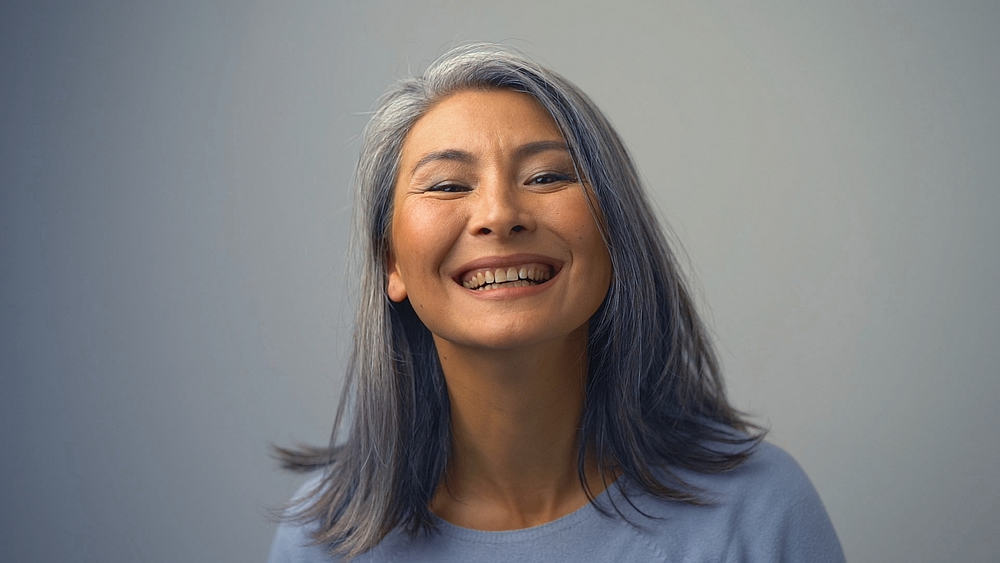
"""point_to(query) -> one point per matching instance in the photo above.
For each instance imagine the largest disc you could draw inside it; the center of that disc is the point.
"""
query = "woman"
(530, 380)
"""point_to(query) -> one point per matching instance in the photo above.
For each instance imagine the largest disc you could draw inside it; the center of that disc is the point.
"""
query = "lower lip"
(504, 293)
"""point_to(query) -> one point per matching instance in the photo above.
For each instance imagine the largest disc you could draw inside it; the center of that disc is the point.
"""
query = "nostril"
(517, 228)
(485, 231)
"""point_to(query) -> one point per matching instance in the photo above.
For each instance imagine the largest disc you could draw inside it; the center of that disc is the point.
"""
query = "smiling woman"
(529, 378)
(500, 197)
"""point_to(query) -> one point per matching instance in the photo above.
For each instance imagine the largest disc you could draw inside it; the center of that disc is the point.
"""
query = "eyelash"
(447, 188)
(552, 177)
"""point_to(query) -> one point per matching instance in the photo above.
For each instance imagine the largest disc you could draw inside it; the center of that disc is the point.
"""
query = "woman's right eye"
(447, 188)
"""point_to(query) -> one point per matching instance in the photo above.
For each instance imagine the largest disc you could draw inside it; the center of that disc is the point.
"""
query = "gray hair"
(654, 393)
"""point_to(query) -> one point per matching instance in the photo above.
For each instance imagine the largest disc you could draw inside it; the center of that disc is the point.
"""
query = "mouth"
(489, 274)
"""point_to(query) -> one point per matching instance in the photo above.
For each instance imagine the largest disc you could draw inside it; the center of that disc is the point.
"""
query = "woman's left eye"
(549, 178)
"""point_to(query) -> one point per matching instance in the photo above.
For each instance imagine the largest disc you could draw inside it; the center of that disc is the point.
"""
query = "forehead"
(480, 121)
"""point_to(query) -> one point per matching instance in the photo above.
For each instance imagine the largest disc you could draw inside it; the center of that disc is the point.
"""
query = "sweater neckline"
(578, 516)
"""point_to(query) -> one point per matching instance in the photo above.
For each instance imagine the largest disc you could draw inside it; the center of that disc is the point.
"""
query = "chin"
(513, 339)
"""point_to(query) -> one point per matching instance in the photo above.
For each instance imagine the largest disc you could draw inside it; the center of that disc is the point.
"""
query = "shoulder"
(292, 540)
(766, 509)
(778, 494)
(770, 476)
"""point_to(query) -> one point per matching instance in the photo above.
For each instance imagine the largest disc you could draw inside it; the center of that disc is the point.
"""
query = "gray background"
(175, 204)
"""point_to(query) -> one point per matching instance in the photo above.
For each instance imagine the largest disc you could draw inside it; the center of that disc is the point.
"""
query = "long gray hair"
(654, 395)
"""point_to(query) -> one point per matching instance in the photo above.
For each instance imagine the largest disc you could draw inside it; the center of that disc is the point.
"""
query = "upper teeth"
(533, 272)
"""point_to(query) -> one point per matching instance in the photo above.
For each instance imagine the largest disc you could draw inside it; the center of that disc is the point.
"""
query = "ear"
(395, 287)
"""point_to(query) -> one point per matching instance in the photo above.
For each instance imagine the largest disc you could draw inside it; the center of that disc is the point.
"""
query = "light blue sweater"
(765, 510)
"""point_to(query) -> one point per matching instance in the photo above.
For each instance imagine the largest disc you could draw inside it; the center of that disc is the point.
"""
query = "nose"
(499, 209)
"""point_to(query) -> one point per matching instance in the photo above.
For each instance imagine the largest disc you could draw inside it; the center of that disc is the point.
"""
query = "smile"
(523, 275)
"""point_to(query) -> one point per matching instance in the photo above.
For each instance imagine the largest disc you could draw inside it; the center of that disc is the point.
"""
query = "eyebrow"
(523, 151)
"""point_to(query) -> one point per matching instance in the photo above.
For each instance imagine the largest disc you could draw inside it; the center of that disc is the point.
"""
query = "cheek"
(422, 236)
(581, 228)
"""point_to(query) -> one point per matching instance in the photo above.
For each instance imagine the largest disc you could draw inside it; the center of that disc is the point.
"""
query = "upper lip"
(491, 262)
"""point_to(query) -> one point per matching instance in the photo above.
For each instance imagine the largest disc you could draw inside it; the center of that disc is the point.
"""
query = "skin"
(514, 359)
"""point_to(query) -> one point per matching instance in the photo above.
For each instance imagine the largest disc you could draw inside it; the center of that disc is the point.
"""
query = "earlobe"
(395, 287)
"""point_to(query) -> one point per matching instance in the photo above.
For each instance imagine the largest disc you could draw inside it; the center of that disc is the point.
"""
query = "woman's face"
(486, 194)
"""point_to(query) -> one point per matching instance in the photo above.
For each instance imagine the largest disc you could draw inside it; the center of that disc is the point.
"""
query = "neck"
(514, 419)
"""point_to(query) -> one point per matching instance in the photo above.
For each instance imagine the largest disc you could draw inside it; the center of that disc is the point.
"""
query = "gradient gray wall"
(175, 210)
